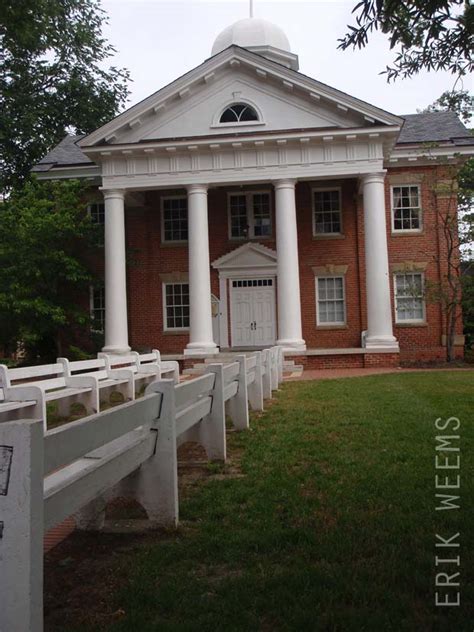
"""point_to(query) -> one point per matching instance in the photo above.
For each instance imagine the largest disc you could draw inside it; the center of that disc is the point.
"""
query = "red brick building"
(259, 206)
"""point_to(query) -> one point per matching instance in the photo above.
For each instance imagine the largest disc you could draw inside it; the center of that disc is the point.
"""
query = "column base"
(292, 345)
(116, 349)
(389, 343)
(201, 348)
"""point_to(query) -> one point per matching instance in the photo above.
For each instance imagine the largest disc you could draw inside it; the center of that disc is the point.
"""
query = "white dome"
(251, 33)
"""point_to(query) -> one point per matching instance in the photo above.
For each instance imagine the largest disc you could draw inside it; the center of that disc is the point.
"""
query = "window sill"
(407, 233)
(414, 324)
(175, 332)
(329, 236)
(331, 327)
(253, 239)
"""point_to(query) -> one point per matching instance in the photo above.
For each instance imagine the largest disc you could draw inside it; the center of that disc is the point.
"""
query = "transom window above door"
(174, 219)
(327, 216)
(249, 215)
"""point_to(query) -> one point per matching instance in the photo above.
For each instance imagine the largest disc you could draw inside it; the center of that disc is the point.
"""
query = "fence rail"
(129, 450)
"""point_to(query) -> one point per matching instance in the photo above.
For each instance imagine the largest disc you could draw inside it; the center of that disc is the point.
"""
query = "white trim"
(335, 322)
(422, 297)
(228, 104)
(162, 219)
(164, 306)
(223, 318)
(313, 191)
(405, 231)
(250, 214)
(92, 308)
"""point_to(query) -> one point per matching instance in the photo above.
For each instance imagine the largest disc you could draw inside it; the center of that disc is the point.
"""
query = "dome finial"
(251, 8)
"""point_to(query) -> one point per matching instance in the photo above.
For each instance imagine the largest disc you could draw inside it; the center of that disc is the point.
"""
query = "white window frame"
(101, 224)
(217, 116)
(408, 321)
(92, 308)
(163, 199)
(338, 323)
(250, 214)
(165, 318)
(405, 231)
(313, 206)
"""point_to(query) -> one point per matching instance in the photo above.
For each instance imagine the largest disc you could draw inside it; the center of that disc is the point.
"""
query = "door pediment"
(249, 256)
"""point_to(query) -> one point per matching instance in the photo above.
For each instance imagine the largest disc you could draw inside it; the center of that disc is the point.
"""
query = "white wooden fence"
(129, 450)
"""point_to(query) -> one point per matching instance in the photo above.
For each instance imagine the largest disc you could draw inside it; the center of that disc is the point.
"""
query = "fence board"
(64, 445)
(191, 415)
(189, 391)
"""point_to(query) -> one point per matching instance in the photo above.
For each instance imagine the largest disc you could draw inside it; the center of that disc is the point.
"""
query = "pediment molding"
(235, 58)
(248, 256)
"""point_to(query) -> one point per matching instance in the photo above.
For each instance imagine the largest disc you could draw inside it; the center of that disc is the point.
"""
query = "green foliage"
(45, 233)
(53, 79)
(426, 34)
(459, 101)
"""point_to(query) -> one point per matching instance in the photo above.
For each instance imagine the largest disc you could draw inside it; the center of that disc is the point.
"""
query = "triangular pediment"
(249, 256)
(190, 107)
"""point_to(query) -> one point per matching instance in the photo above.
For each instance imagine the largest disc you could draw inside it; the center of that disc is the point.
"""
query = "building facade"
(246, 204)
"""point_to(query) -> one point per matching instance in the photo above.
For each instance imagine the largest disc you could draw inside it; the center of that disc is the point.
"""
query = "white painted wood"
(231, 371)
(192, 414)
(379, 309)
(200, 315)
(188, 392)
(21, 526)
(255, 386)
(289, 297)
(230, 390)
(72, 487)
(116, 321)
(65, 444)
(267, 374)
(212, 431)
(237, 407)
(253, 321)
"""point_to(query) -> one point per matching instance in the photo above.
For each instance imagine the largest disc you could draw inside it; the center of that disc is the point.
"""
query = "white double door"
(253, 313)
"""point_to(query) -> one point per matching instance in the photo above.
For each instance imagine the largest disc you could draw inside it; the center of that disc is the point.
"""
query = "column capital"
(196, 188)
(377, 177)
(287, 183)
(109, 194)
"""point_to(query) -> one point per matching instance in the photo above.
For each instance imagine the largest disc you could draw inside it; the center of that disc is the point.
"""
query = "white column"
(116, 324)
(200, 329)
(379, 309)
(290, 335)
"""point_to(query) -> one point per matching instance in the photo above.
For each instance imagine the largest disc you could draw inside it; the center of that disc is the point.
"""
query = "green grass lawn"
(332, 525)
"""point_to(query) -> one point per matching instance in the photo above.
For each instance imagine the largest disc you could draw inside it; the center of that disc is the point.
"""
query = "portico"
(259, 287)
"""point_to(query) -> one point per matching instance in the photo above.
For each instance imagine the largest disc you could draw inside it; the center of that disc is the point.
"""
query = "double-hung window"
(176, 306)
(406, 208)
(327, 216)
(174, 222)
(97, 308)
(249, 215)
(330, 298)
(409, 297)
(96, 212)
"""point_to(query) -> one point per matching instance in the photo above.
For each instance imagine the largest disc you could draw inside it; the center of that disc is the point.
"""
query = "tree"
(427, 34)
(454, 197)
(52, 79)
(45, 233)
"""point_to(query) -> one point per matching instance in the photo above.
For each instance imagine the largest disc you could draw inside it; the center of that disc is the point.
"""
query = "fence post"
(212, 428)
(281, 358)
(274, 370)
(21, 525)
(255, 390)
(156, 482)
(267, 376)
(237, 407)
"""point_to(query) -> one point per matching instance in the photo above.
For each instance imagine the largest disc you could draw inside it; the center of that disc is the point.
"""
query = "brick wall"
(149, 259)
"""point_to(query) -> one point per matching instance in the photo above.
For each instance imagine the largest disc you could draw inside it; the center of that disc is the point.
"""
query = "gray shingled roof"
(65, 153)
(432, 126)
(418, 128)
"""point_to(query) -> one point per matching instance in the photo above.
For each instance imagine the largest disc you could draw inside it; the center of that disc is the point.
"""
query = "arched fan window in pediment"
(238, 113)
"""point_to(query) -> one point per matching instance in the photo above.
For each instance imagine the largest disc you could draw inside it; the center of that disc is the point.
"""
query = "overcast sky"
(159, 41)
